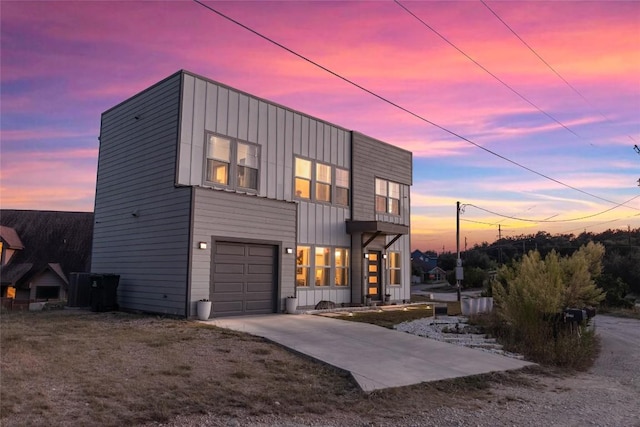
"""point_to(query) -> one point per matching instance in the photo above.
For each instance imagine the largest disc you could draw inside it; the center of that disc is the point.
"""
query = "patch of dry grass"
(82, 368)
(389, 317)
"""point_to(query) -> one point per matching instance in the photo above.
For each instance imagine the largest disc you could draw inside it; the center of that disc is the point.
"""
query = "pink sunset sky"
(63, 63)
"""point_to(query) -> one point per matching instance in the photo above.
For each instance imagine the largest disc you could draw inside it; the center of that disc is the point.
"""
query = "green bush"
(530, 296)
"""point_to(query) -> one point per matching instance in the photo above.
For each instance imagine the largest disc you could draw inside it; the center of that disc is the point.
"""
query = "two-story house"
(207, 192)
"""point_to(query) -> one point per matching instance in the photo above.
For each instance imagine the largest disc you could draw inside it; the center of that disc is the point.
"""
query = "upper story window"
(220, 168)
(342, 187)
(387, 197)
(303, 178)
(317, 181)
(323, 183)
(247, 158)
(218, 160)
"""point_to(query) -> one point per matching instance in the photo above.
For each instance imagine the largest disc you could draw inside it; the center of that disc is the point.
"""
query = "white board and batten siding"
(282, 134)
(142, 219)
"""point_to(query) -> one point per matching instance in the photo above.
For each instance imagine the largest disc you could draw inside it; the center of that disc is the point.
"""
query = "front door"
(374, 275)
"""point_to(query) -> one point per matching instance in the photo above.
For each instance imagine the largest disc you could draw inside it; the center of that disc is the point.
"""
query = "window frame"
(397, 269)
(314, 183)
(325, 268)
(340, 187)
(386, 197)
(332, 267)
(233, 164)
(345, 268)
(300, 267)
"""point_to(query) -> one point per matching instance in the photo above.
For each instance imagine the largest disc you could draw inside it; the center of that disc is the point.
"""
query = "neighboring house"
(423, 262)
(39, 251)
(204, 191)
(437, 274)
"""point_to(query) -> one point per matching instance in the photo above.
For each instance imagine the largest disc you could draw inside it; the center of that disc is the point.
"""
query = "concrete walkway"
(376, 357)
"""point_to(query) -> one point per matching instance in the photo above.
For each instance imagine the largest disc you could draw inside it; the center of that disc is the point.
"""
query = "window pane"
(322, 277)
(323, 173)
(381, 204)
(248, 155)
(342, 257)
(302, 276)
(394, 206)
(342, 196)
(303, 188)
(217, 172)
(302, 256)
(322, 257)
(394, 190)
(342, 277)
(381, 187)
(219, 148)
(247, 177)
(342, 178)
(303, 168)
(323, 192)
(394, 277)
(394, 260)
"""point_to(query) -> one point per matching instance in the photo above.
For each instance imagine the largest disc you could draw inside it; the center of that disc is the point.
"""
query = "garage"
(243, 279)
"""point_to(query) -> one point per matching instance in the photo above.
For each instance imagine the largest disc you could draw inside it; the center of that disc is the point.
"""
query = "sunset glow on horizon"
(66, 62)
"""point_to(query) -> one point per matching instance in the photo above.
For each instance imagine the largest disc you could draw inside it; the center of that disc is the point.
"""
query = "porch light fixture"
(202, 245)
(289, 250)
(384, 256)
(366, 256)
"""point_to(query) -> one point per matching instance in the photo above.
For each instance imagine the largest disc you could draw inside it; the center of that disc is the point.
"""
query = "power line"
(601, 223)
(546, 63)
(487, 71)
(406, 110)
(549, 220)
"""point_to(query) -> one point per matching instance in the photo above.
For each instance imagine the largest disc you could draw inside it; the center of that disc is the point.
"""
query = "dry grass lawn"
(82, 368)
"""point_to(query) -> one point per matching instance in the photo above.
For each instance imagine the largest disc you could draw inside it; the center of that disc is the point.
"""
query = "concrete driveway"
(376, 357)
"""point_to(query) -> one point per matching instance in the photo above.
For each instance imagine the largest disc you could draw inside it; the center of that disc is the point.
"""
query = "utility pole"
(500, 247)
(459, 271)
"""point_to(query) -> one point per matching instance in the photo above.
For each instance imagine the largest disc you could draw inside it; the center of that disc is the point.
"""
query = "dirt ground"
(81, 368)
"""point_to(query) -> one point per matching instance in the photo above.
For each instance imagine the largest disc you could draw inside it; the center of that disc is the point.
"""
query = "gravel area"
(606, 395)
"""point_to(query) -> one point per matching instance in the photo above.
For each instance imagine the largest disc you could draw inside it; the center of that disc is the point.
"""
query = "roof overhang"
(378, 227)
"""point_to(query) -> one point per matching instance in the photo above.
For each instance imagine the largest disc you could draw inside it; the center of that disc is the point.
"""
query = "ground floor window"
(323, 266)
(329, 265)
(394, 268)
(303, 264)
(47, 292)
(342, 267)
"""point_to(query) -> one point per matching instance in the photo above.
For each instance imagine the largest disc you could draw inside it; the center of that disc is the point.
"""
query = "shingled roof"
(48, 238)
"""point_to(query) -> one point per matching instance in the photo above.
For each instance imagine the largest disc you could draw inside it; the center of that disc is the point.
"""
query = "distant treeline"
(621, 259)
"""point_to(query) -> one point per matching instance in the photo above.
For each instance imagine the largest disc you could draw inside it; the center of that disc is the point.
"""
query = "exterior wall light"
(366, 256)
(289, 250)
(202, 245)
(384, 256)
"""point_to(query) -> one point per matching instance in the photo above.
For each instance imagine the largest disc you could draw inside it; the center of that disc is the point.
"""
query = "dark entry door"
(243, 279)
(374, 275)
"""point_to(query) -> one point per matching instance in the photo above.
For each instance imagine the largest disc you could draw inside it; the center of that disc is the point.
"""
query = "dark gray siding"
(227, 216)
(141, 218)
(375, 159)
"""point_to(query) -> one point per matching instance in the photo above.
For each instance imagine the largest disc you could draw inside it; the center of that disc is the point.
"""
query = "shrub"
(530, 296)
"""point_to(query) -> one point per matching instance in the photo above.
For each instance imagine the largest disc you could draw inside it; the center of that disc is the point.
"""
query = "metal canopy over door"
(374, 275)
(243, 279)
